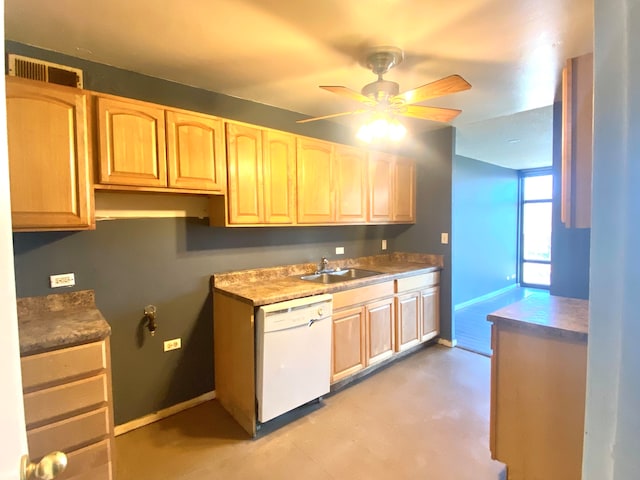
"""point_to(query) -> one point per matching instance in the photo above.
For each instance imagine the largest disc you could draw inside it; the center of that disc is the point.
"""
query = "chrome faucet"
(323, 266)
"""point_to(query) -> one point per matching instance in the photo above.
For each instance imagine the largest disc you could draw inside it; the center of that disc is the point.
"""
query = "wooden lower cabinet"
(430, 313)
(68, 407)
(348, 348)
(407, 320)
(380, 330)
(538, 389)
(417, 309)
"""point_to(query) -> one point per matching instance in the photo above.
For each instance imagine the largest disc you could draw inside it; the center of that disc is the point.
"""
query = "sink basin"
(339, 275)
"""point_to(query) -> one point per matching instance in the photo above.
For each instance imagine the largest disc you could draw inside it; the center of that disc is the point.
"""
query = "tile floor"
(423, 417)
(473, 332)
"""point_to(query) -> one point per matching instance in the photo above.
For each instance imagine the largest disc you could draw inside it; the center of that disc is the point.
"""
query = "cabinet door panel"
(381, 169)
(351, 185)
(315, 182)
(430, 300)
(380, 329)
(244, 163)
(195, 155)
(49, 156)
(132, 143)
(404, 192)
(279, 174)
(407, 320)
(348, 343)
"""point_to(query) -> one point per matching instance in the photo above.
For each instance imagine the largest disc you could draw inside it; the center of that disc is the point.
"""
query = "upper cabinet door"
(132, 143)
(381, 183)
(195, 151)
(404, 204)
(244, 165)
(315, 182)
(49, 156)
(279, 174)
(351, 184)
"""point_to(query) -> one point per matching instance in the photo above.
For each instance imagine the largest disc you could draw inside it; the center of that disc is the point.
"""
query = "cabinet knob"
(48, 468)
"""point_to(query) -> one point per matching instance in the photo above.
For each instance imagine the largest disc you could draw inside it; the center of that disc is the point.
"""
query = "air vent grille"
(35, 69)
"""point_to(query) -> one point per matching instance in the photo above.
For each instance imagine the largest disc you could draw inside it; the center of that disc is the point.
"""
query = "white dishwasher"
(293, 354)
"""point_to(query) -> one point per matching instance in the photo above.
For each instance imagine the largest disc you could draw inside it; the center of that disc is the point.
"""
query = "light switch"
(444, 238)
(384, 244)
(339, 250)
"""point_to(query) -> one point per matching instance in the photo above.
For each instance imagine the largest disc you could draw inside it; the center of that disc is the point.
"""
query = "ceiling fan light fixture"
(380, 128)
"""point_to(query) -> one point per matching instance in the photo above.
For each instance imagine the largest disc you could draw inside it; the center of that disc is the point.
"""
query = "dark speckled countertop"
(277, 284)
(558, 316)
(59, 320)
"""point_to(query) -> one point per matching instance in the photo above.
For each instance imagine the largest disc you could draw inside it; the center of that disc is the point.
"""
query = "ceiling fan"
(383, 97)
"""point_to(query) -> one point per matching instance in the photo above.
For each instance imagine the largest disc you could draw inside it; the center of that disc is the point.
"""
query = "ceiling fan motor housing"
(381, 90)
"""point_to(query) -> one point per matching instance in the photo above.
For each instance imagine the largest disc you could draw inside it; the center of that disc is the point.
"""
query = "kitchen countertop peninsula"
(538, 386)
(277, 284)
(56, 321)
(540, 312)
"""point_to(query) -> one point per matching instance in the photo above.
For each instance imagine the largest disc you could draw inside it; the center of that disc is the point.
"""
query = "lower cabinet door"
(430, 325)
(348, 354)
(380, 330)
(407, 320)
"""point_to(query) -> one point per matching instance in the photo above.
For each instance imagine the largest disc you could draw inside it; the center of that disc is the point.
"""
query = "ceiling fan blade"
(444, 86)
(348, 93)
(333, 115)
(429, 113)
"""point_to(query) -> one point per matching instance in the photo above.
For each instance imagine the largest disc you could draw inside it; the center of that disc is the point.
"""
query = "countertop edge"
(302, 288)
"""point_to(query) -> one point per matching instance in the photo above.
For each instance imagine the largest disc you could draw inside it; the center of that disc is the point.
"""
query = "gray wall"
(168, 262)
(485, 228)
(433, 212)
(569, 246)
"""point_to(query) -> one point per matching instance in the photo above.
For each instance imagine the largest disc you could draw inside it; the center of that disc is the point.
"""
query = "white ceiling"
(278, 52)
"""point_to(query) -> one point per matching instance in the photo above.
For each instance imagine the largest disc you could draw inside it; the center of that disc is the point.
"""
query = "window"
(536, 187)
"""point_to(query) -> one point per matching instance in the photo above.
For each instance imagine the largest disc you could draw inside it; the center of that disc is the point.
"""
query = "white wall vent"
(35, 69)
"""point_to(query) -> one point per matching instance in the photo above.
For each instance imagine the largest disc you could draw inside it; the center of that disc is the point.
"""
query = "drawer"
(66, 399)
(89, 463)
(62, 365)
(416, 282)
(360, 295)
(69, 434)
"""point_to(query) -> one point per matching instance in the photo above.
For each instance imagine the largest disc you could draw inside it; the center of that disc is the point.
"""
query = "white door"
(12, 431)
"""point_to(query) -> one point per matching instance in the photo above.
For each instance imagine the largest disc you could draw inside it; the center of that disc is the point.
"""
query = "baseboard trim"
(448, 343)
(164, 413)
(486, 296)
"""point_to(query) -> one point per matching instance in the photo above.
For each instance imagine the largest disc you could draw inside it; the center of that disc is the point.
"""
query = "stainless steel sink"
(339, 275)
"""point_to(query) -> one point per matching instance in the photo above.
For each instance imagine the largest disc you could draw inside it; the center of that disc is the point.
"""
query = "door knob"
(48, 468)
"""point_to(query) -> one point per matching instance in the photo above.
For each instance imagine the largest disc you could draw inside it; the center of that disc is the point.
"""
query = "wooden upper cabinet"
(244, 171)
(404, 198)
(316, 203)
(195, 151)
(351, 184)
(577, 141)
(279, 177)
(381, 186)
(261, 176)
(131, 138)
(49, 156)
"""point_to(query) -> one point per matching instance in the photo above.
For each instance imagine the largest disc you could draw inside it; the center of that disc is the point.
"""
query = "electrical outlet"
(444, 238)
(62, 280)
(339, 250)
(384, 244)
(173, 344)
